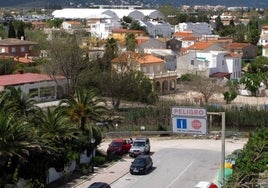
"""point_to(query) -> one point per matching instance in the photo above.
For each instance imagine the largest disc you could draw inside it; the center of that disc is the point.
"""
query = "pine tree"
(20, 32)
(11, 31)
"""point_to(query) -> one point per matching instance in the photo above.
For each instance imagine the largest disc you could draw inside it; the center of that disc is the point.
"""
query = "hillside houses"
(184, 48)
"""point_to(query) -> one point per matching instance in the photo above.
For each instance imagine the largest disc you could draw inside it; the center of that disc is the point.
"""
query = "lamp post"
(92, 141)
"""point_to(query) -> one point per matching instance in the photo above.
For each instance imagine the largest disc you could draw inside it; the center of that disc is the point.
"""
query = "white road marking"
(180, 174)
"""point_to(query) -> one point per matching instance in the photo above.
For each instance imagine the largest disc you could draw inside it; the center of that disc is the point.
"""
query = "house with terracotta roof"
(42, 87)
(166, 49)
(15, 47)
(163, 81)
(246, 50)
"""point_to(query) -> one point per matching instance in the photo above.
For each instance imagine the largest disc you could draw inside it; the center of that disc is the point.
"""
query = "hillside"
(146, 3)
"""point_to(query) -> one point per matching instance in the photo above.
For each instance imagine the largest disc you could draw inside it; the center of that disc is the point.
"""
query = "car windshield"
(139, 161)
(116, 144)
(138, 143)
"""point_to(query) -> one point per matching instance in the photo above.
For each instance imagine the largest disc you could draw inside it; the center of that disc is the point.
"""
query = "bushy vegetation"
(32, 139)
(253, 162)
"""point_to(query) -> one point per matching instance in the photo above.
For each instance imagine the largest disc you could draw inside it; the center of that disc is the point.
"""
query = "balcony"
(161, 74)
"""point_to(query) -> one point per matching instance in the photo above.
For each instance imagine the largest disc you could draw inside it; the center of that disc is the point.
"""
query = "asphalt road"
(181, 163)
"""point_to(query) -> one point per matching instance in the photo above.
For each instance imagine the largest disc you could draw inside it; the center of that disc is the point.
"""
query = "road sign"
(189, 120)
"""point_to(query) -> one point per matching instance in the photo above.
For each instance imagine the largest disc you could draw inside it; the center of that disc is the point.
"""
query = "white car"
(140, 146)
(205, 184)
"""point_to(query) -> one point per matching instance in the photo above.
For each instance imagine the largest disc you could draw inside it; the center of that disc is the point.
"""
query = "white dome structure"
(85, 13)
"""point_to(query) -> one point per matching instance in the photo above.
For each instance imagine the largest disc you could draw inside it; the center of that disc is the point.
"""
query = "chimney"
(22, 38)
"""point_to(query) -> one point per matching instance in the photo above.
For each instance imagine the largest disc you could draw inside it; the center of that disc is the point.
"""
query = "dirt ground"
(196, 98)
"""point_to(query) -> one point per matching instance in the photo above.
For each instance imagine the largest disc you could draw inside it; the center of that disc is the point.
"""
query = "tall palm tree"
(85, 106)
(17, 138)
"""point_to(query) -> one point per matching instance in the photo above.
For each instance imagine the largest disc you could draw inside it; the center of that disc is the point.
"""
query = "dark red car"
(119, 147)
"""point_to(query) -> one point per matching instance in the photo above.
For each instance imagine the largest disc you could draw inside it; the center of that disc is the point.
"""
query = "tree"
(131, 42)
(67, 59)
(252, 82)
(206, 86)
(218, 24)
(253, 34)
(20, 103)
(11, 31)
(17, 139)
(232, 92)
(55, 22)
(127, 83)
(135, 25)
(7, 66)
(111, 52)
(239, 35)
(85, 106)
(20, 31)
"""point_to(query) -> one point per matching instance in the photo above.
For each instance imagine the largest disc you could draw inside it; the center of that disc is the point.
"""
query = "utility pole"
(222, 114)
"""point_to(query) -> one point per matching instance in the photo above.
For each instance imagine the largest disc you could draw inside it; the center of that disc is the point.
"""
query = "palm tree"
(17, 138)
(85, 106)
(20, 103)
(54, 126)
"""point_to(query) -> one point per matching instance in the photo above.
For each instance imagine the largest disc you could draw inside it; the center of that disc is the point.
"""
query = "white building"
(101, 27)
(198, 29)
(116, 14)
(264, 36)
(210, 63)
(41, 86)
(157, 28)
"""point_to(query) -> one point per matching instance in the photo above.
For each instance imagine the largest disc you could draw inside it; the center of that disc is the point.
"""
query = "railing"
(162, 74)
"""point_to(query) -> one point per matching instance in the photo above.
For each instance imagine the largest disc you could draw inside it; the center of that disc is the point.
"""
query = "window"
(222, 62)
(3, 50)
(144, 69)
(47, 91)
(33, 92)
(22, 49)
(13, 50)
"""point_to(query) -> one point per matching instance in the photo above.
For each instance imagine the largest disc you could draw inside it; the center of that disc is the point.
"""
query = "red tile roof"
(200, 45)
(183, 34)
(16, 79)
(221, 75)
(137, 57)
(236, 45)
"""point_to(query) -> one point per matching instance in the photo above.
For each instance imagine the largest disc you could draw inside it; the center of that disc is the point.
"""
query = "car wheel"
(145, 171)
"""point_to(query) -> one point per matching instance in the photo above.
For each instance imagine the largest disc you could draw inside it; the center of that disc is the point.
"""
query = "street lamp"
(92, 141)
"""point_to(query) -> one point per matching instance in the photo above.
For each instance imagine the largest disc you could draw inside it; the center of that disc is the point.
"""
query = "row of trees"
(34, 139)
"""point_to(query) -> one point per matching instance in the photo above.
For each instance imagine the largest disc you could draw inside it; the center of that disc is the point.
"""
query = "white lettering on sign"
(199, 112)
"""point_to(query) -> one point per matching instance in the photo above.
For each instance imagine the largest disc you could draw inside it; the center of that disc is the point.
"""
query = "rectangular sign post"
(189, 120)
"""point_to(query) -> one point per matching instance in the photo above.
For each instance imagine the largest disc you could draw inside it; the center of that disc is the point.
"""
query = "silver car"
(140, 146)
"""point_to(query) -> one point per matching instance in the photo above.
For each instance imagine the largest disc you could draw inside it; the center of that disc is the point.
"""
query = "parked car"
(99, 185)
(205, 184)
(119, 147)
(141, 165)
(140, 146)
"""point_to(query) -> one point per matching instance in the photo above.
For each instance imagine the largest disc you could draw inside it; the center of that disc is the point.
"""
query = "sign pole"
(223, 149)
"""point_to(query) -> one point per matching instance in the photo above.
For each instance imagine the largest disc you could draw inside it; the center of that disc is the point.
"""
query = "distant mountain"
(146, 3)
